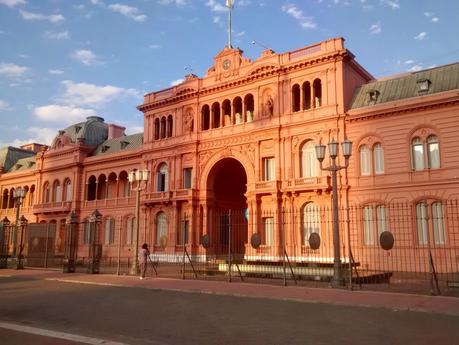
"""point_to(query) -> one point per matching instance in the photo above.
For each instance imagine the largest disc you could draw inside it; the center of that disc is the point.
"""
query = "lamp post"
(18, 196)
(337, 279)
(22, 223)
(136, 177)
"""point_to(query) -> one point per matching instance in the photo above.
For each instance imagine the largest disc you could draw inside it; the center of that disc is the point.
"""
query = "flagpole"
(229, 4)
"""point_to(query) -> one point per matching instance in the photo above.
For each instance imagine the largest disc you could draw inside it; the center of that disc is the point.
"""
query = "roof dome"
(92, 132)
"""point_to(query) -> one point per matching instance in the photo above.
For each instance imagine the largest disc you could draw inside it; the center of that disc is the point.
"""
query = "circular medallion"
(314, 241)
(386, 240)
(255, 241)
(226, 64)
(205, 241)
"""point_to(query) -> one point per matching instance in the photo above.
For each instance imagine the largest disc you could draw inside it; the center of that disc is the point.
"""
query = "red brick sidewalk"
(397, 301)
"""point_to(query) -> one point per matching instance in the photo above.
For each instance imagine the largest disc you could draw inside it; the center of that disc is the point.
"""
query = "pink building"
(235, 150)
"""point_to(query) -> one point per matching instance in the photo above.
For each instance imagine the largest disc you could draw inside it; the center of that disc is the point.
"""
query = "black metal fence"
(396, 247)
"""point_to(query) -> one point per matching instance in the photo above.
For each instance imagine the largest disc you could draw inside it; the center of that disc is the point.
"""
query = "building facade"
(238, 144)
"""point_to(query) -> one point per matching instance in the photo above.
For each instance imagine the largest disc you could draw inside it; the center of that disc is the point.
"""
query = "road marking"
(83, 282)
(59, 335)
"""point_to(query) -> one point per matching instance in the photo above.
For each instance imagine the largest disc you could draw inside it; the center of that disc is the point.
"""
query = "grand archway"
(226, 188)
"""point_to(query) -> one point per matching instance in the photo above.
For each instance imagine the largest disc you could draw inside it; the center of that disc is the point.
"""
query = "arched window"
(365, 160)
(237, 105)
(311, 221)
(156, 129)
(124, 187)
(162, 179)
(57, 192)
(438, 223)
(109, 234)
(111, 186)
(433, 152)
(226, 107)
(306, 88)
(102, 187)
(5, 199)
(417, 154)
(309, 166)
(296, 99)
(161, 229)
(421, 222)
(68, 190)
(372, 229)
(169, 126)
(163, 127)
(216, 115)
(205, 112)
(317, 86)
(249, 106)
(46, 192)
(130, 226)
(378, 158)
(92, 185)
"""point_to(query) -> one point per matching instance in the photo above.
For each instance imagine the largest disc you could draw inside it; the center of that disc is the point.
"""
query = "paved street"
(130, 311)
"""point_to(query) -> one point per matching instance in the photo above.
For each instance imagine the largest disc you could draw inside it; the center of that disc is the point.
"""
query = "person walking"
(143, 257)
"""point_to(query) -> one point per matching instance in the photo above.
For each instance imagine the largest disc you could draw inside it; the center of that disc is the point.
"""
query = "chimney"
(115, 131)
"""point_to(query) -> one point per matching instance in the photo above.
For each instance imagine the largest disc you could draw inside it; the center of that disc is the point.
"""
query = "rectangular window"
(434, 155)
(365, 161)
(87, 233)
(268, 238)
(421, 222)
(368, 229)
(109, 237)
(182, 236)
(418, 157)
(378, 153)
(161, 182)
(268, 169)
(438, 222)
(187, 178)
(381, 217)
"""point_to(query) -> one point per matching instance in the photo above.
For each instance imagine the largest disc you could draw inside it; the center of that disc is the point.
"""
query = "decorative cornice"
(263, 73)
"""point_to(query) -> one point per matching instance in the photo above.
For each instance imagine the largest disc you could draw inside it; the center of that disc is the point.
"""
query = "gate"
(41, 249)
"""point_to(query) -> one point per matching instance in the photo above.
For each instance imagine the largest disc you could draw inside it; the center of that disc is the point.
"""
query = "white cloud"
(53, 18)
(62, 35)
(154, 46)
(415, 68)
(295, 12)
(172, 2)
(84, 94)
(435, 19)
(420, 36)
(5, 106)
(134, 129)
(12, 70)
(216, 6)
(177, 82)
(55, 71)
(97, 2)
(409, 62)
(375, 29)
(240, 34)
(24, 56)
(12, 3)
(37, 135)
(85, 56)
(394, 4)
(128, 11)
(216, 20)
(56, 113)
(432, 16)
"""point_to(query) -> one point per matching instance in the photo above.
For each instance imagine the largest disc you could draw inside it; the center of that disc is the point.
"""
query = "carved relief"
(188, 121)
(187, 157)
(267, 104)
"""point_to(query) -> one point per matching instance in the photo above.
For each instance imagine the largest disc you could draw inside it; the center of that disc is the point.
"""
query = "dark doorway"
(226, 185)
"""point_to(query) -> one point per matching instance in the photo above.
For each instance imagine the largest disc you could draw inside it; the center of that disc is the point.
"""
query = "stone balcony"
(53, 207)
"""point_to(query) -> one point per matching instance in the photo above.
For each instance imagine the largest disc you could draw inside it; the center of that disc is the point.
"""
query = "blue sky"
(63, 60)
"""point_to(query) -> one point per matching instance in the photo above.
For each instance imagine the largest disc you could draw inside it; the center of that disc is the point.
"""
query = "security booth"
(71, 242)
(4, 242)
(95, 247)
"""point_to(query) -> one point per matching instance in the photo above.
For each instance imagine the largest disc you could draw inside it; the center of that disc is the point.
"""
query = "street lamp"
(337, 279)
(22, 223)
(18, 196)
(136, 177)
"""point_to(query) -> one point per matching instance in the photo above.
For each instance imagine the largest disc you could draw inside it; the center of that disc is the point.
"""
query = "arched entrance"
(227, 223)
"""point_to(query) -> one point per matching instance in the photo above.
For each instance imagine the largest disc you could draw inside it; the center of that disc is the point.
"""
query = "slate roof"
(439, 79)
(124, 143)
(94, 130)
(9, 156)
(24, 164)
